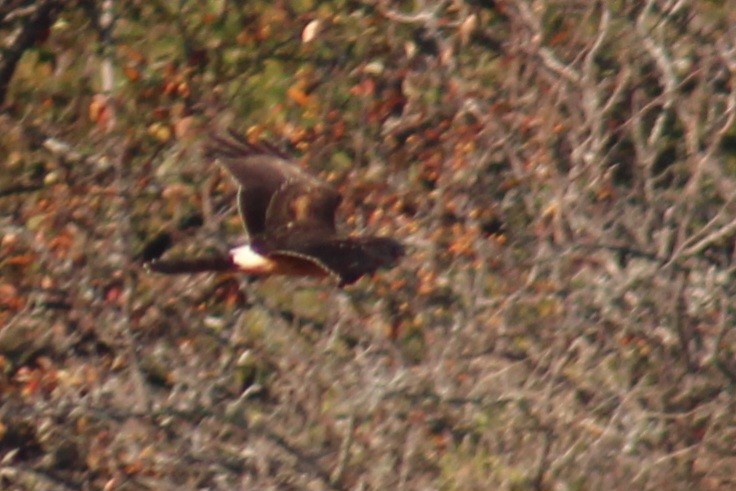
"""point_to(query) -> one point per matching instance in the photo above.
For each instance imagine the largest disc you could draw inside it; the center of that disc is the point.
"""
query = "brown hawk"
(289, 217)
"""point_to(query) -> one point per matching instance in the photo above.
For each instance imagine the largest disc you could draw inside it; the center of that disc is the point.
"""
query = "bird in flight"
(289, 217)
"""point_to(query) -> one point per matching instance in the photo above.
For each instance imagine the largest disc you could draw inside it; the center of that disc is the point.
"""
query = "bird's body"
(249, 261)
(289, 217)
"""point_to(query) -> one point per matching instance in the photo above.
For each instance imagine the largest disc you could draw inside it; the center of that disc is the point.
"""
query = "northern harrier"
(289, 217)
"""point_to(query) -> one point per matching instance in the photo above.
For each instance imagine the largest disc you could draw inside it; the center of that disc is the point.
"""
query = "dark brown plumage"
(289, 216)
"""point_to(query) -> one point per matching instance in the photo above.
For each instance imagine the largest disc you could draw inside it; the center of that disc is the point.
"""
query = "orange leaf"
(364, 88)
(21, 260)
(9, 298)
(132, 73)
(297, 95)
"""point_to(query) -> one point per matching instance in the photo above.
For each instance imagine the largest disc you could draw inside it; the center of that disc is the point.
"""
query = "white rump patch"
(248, 259)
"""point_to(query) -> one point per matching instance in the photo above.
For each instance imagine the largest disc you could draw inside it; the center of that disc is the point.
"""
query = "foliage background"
(562, 173)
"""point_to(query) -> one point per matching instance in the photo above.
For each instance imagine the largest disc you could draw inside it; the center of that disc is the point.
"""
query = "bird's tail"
(192, 265)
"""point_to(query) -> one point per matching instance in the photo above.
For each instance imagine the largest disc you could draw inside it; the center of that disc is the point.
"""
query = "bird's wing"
(302, 207)
(291, 214)
(260, 171)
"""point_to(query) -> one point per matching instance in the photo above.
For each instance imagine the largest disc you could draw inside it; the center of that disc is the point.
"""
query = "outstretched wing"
(302, 207)
(346, 258)
(261, 172)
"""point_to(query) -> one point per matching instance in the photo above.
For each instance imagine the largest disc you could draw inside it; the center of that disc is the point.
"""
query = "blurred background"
(563, 174)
